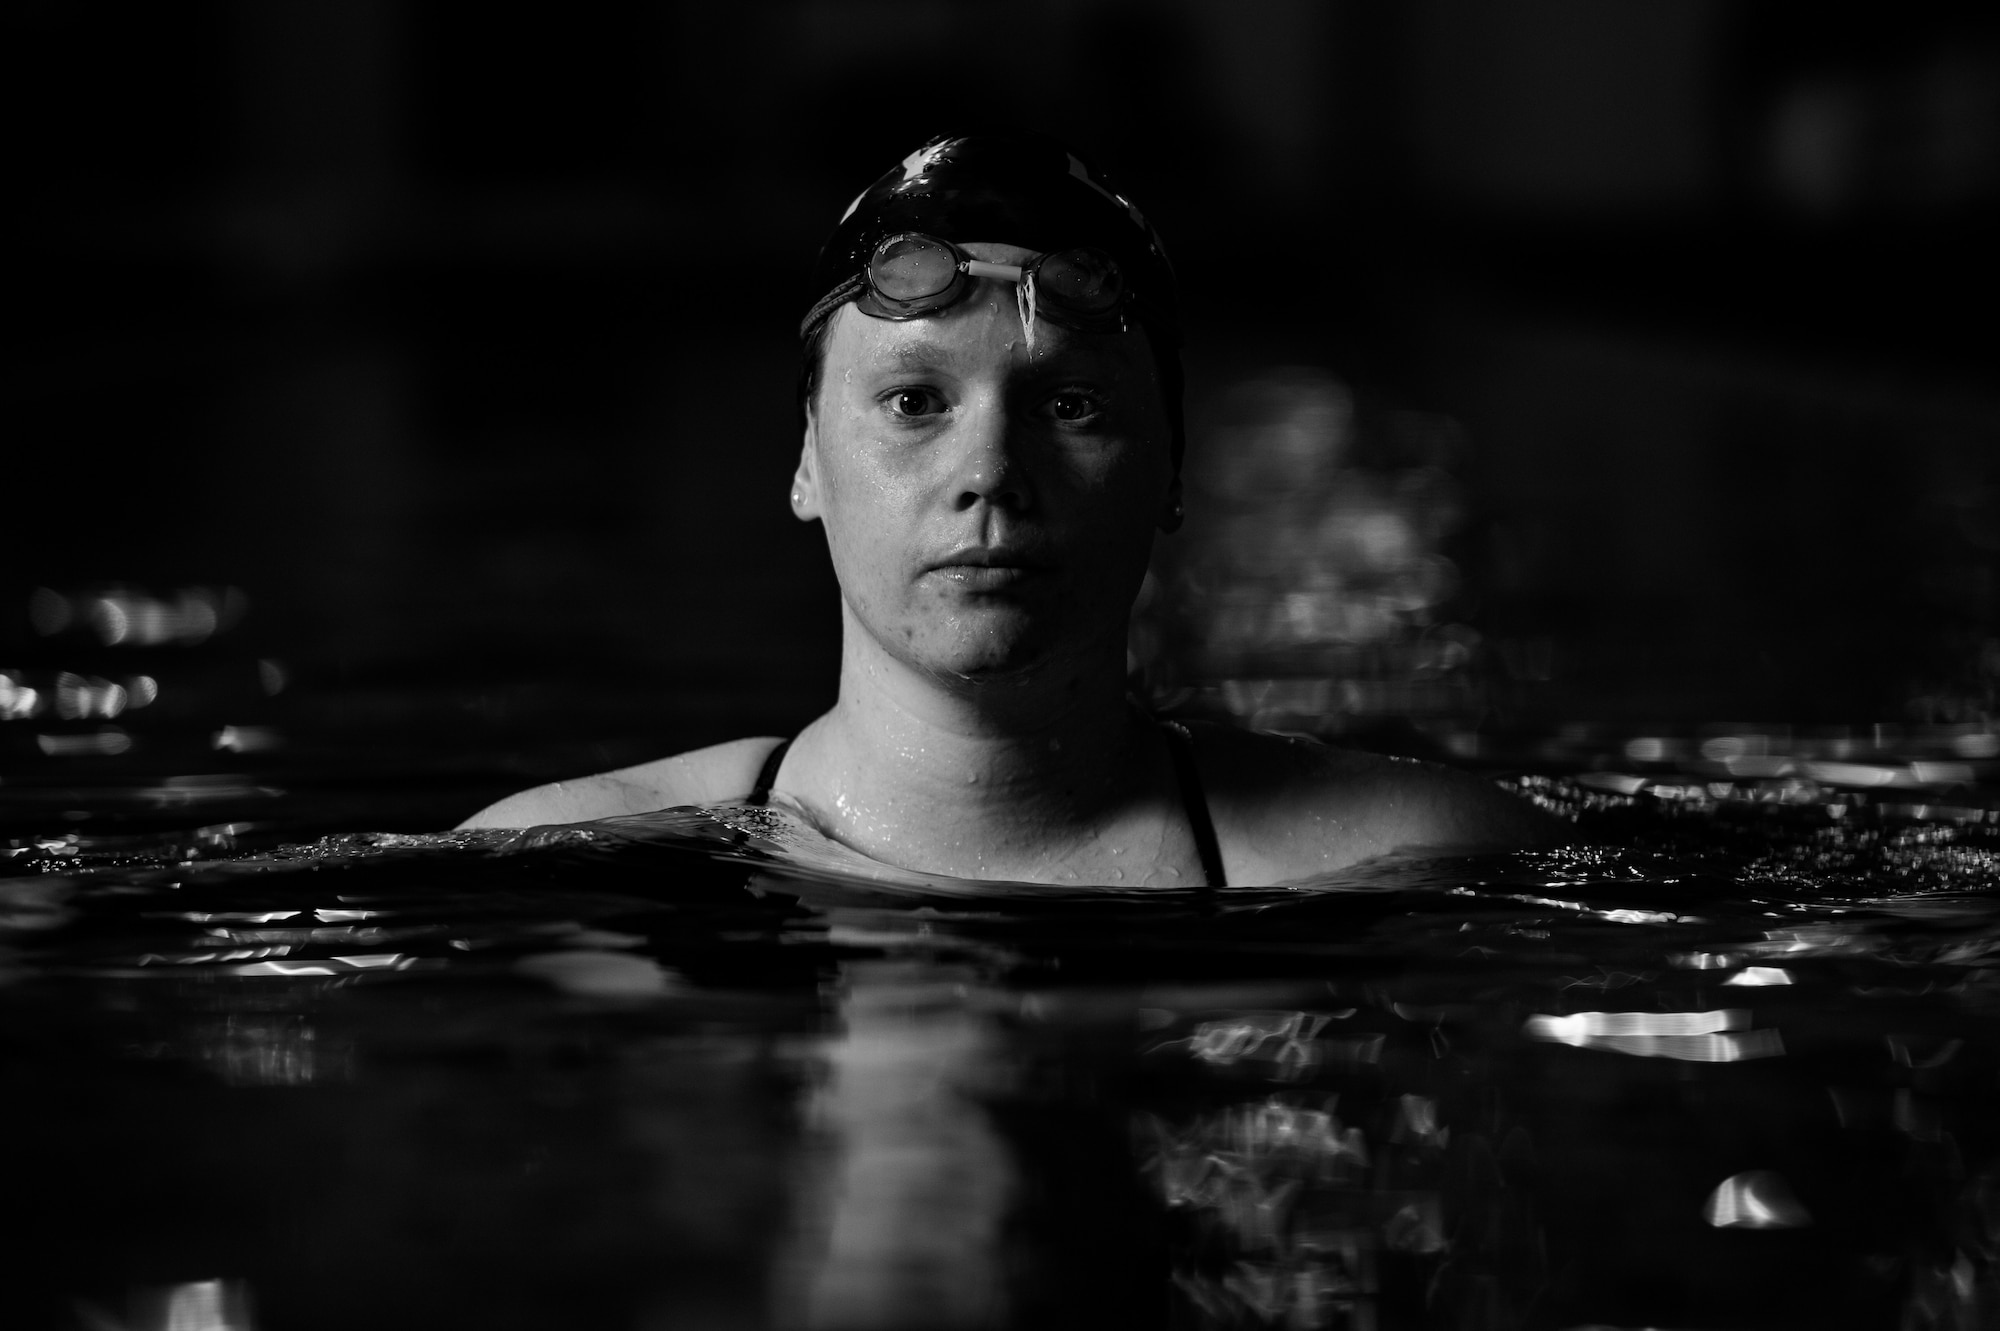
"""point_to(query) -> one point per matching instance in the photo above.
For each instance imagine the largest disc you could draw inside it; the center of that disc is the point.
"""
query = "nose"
(989, 461)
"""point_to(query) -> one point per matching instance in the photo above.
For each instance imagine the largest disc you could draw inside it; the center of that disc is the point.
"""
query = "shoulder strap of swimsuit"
(1181, 745)
(767, 775)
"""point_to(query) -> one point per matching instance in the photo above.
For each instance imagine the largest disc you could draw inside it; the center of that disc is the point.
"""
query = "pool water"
(1729, 1062)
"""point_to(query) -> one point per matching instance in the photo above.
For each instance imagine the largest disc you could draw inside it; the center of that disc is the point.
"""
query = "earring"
(797, 499)
(1176, 514)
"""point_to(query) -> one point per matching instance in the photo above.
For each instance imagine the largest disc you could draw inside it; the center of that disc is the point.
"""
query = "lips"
(989, 568)
(985, 577)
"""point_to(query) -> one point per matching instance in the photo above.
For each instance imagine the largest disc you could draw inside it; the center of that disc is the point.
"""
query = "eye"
(1074, 405)
(913, 402)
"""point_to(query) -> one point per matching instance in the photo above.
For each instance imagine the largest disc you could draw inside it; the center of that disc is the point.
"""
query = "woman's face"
(989, 507)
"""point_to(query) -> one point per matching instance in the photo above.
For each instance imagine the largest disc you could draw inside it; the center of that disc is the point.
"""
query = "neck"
(974, 775)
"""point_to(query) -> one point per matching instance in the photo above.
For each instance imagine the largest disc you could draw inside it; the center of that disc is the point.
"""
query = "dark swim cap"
(1008, 188)
(1012, 189)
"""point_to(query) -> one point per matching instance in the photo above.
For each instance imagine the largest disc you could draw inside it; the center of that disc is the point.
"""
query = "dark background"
(460, 339)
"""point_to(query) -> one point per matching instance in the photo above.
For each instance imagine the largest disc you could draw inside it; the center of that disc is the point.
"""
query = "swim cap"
(1007, 188)
(1011, 188)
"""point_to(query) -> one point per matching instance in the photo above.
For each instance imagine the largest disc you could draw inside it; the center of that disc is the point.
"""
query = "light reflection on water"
(1720, 1065)
(1727, 1062)
(199, 1305)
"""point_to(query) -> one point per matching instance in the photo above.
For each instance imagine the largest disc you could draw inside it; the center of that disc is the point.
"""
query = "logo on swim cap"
(917, 163)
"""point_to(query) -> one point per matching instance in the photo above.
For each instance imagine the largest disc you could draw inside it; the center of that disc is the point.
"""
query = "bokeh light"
(1312, 586)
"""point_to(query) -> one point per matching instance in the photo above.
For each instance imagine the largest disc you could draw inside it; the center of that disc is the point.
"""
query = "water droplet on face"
(1116, 875)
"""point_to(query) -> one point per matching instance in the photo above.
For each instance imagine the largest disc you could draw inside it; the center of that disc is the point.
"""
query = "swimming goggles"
(911, 275)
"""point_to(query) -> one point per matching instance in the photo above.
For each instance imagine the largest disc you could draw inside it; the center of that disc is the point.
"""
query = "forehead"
(971, 337)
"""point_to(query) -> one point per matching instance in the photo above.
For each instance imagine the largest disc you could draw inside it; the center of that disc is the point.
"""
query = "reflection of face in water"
(987, 508)
(901, 1218)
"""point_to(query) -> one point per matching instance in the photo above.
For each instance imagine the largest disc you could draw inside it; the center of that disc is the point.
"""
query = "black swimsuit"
(1179, 744)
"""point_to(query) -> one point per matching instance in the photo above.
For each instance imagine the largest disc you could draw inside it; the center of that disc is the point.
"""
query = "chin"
(987, 651)
(987, 664)
(998, 657)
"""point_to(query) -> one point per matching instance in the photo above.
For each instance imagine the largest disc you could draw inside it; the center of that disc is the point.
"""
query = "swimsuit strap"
(1180, 744)
(767, 775)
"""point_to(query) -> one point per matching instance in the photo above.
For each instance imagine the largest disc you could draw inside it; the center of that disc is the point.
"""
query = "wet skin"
(989, 503)
(989, 507)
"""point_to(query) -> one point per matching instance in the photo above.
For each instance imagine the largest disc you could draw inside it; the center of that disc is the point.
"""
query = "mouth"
(985, 568)
(986, 577)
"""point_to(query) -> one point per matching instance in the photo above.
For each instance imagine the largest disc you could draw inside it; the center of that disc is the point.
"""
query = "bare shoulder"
(713, 775)
(1290, 806)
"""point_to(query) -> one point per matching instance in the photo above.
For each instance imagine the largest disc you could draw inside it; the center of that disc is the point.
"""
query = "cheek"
(866, 479)
(861, 508)
(1130, 489)
(855, 496)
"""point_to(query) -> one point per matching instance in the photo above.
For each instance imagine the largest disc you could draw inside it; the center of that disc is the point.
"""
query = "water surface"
(1728, 1062)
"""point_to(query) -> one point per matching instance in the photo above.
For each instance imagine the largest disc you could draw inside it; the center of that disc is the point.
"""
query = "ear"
(805, 481)
(1173, 512)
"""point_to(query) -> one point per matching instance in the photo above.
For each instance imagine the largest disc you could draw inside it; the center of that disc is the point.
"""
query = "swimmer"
(991, 404)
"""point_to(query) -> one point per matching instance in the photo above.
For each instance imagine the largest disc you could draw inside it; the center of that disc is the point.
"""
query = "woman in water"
(992, 434)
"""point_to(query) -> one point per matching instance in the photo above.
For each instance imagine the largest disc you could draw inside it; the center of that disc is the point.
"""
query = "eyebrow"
(912, 356)
(917, 356)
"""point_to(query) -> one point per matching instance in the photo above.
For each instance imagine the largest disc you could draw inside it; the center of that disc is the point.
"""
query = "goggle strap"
(1010, 272)
(832, 301)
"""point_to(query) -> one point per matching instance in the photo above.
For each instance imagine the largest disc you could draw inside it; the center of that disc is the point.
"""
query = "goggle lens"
(912, 275)
(907, 268)
(1086, 281)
